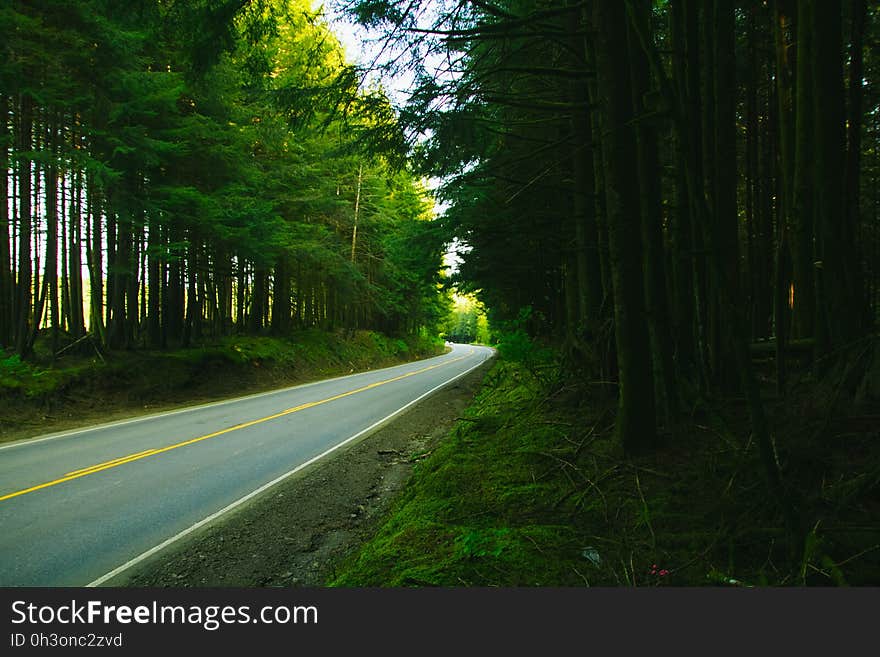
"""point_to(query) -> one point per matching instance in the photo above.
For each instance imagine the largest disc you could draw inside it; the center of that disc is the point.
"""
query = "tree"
(635, 416)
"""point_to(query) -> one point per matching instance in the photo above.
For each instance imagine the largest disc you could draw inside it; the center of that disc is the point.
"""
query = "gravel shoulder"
(297, 532)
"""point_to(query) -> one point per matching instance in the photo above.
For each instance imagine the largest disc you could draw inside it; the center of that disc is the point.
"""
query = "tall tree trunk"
(694, 172)
(854, 149)
(755, 284)
(119, 245)
(710, 166)
(299, 307)
(75, 283)
(785, 67)
(804, 310)
(173, 292)
(308, 309)
(725, 179)
(25, 281)
(154, 282)
(65, 209)
(36, 229)
(193, 319)
(357, 207)
(651, 207)
(835, 248)
(681, 225)
(635, 422)
(52, 236)
(111, 301)
(95, 262)
(258, 296)
(281, 298)
(241, 296)
(132, 284)
(764, 183)
(606, 341)
(587, 259)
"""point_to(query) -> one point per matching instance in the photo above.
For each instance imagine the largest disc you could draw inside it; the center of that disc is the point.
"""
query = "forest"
(162, 188)
(668, 209)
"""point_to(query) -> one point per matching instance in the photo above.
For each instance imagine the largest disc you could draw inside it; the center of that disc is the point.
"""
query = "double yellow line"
(122, 460)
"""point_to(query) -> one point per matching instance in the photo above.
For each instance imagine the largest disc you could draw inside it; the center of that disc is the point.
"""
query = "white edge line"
(204, 521)
(187, 409)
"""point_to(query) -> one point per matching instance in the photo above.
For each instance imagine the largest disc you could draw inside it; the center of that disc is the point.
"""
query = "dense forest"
(180, 170)
(671, 204)
(679, 198)
(661, 184)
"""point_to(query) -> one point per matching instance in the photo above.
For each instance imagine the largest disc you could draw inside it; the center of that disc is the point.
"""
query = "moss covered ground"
(530, 489)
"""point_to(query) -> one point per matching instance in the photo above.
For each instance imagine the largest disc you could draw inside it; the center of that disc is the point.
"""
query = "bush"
(19, 376)
(516, 345)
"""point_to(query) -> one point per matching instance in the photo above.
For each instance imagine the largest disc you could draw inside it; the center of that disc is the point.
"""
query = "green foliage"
(234, 139)
(517, 345)
(31, 381)
(483, 542)
(467, 321)
(467, 517)
(529, 489)
(227, 366)
(13, 366)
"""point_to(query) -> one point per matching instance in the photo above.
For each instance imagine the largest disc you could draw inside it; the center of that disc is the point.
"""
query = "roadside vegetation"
(531, 489)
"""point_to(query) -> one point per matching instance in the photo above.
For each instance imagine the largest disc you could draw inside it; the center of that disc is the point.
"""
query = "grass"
(529, 489)
(479, 509)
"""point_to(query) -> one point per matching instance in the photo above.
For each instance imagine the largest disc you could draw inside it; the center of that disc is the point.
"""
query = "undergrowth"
(529, 489)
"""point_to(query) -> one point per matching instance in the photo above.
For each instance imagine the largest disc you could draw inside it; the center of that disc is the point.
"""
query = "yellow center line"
(92, 469)
(118, 461)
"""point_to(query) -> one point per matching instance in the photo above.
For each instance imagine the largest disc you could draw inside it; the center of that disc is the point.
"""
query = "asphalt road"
(79, 507)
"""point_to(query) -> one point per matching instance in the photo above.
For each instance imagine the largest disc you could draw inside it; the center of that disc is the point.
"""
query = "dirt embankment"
(298, 531)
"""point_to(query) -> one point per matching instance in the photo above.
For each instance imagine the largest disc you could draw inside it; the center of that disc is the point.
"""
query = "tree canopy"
(177, 170)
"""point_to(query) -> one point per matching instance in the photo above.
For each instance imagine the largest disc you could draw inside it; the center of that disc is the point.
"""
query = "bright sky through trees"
(385, 65)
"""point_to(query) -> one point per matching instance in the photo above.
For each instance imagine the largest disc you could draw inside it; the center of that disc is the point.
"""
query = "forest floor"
(530, 489)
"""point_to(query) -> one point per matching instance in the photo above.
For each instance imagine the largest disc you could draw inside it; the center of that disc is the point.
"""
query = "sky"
(365, 47)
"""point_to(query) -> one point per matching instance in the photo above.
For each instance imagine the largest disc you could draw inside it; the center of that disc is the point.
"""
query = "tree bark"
(725, 183)
(74, 251)
(24, 308)
(694, 116)
(804, 309)
(95, 262)
(51, 197)
(835, 248)
(651, 207)
(853, 170)
(635, 423)
(281, 298)
(681, 226)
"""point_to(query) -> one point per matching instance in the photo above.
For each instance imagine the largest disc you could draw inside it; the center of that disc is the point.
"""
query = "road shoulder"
(298, 531)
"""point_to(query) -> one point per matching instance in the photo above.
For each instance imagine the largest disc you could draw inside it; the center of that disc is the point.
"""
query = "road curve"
(79, 507)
